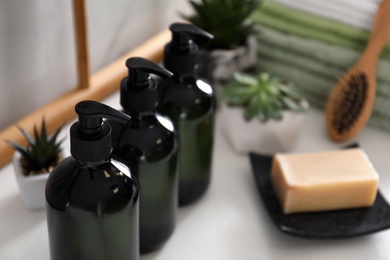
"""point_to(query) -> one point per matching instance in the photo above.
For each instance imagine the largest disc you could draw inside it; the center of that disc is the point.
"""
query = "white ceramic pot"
(254, 136)
(31, 188)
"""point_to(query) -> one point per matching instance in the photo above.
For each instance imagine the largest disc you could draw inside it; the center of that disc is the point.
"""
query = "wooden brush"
(351, 102)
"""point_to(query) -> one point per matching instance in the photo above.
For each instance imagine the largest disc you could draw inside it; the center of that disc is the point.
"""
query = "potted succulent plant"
(261, 113)
(33, 163)
(234, 45)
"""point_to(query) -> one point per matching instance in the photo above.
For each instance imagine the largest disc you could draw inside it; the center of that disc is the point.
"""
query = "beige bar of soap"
(324, 181)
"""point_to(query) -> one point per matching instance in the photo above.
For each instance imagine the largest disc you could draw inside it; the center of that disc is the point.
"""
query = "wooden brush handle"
(380, 31)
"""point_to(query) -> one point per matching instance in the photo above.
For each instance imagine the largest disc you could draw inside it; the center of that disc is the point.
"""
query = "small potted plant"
(234, 45)
(33, 163)
(261, 113)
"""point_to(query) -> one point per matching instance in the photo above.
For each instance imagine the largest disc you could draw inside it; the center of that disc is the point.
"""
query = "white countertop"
(229, 222)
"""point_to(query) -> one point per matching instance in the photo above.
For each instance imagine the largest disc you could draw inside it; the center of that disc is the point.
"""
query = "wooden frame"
(95, 87)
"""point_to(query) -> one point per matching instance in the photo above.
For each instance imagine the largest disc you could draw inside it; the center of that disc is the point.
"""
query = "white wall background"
(37, 55)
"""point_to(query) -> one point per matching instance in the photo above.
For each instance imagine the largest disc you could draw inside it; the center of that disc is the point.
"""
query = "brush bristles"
(349, 105)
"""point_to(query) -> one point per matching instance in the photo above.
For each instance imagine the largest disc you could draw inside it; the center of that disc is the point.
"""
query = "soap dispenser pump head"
(180, 54)
(138, 90)
(90, 137)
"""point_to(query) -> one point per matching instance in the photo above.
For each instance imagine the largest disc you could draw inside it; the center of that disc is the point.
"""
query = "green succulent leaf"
(27, 136)
(275, 112)
(244, 79)
(228, 20)
(252, 108)
(17, 147)
(291, 104)
(41, 152)
(261, 96)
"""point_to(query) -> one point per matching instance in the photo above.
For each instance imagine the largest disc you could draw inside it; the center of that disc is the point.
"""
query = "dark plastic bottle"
(190, 103)
(149, 141)
(92, 199)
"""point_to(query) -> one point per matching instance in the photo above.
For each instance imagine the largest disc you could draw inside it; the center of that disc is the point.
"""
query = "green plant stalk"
(314, 83)
(320, 84)
(304, 80)
(292, 21)
(332, 57)
(380, 112)
(316, 67)
(316, 89)
(303, 31)
(314, 21)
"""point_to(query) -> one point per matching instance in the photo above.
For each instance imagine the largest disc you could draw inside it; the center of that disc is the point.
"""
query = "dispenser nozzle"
(184, 35)
(139, 69)
(90, 137)
(180, 54)
(91, 114)
(138, 92)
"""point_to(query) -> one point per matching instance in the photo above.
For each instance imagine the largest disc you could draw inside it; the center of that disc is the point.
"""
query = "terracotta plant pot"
(31, 188)
(218, 65)
(265, 138)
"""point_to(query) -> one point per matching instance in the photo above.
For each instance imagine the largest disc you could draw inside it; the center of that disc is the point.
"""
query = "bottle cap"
(180, 54)
(138, 90)
(90, 137)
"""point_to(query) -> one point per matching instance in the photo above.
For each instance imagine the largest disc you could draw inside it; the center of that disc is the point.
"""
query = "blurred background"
(310, 43)
(37, 45)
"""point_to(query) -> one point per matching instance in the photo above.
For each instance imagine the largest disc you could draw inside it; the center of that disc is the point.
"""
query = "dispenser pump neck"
(138, 90)
(90, 137)
(91, 114)
(180, 54)
(139, 70)
(186, 37)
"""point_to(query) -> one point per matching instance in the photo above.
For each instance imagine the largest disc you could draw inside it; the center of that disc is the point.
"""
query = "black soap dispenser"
(93, 198)
(150, 142)
(190, 103)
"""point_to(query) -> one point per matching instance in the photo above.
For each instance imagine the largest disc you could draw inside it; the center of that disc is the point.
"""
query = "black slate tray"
(319, 225)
